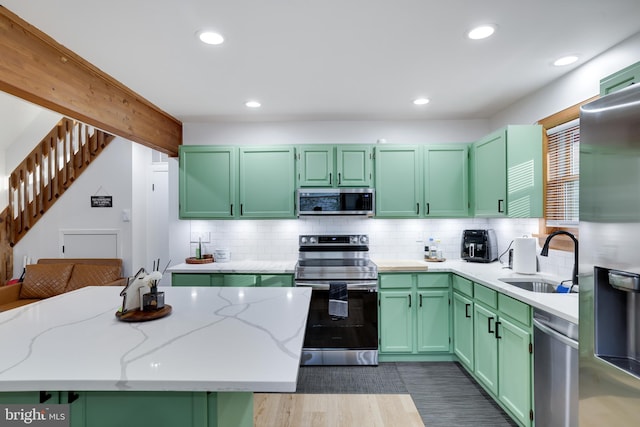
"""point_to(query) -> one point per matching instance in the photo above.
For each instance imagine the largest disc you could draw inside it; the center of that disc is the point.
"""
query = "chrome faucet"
(545, 252)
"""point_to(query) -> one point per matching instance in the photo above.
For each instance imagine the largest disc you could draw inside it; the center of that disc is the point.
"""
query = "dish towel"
(338, 300)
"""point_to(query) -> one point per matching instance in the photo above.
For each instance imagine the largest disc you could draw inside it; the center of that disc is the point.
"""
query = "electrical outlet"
(205, 236)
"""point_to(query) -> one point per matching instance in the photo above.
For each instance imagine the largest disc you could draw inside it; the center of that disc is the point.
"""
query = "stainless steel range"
(342, 327)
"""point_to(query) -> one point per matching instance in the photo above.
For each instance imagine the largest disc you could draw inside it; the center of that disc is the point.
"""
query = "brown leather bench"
(54, 276)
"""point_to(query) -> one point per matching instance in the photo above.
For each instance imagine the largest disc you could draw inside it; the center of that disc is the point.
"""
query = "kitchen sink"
(533, 285)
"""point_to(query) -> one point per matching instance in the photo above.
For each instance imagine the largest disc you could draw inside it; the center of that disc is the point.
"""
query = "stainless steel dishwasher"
(555, 365)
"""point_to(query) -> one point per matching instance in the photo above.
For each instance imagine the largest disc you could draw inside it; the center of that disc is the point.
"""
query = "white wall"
(580, 84)
(35, 123)
(334, 132)
(110, 174)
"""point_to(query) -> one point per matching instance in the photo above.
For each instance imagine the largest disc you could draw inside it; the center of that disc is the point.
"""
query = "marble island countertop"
(215, 339)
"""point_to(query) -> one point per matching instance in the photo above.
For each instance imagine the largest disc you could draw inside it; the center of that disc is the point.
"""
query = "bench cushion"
(92, 275)
(44, 281)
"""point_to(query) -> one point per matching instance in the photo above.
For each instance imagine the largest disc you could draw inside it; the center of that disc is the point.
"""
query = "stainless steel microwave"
(336, 201)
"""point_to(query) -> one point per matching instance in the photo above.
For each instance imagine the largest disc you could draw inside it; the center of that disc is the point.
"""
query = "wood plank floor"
(335, 410)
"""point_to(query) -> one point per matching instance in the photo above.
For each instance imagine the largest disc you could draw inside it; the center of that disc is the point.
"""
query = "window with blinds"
(563, 175)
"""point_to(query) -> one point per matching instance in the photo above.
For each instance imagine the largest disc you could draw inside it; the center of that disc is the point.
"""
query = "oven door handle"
(371, 286)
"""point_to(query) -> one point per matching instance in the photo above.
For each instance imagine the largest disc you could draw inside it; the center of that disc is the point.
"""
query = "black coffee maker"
(479, 246)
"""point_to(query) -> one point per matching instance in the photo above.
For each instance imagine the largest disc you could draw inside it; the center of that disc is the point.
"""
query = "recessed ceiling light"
(481, 32)
(421, 101)
(252, 104)
(565, 60)
(210, 37)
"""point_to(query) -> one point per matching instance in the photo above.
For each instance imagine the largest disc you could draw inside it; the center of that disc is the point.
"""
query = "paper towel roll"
(524, 255)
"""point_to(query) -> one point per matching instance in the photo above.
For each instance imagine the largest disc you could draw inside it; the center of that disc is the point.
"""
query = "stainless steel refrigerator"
(609, 354)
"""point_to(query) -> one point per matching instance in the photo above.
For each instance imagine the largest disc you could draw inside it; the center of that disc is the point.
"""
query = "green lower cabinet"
(122, 408)
(498, 352)
(415, 316)
(396, 322)
(486, 347)
(434, 333)
(221, 279)
(190, 279)
(463, 329)
(276, 280)
(514, 369)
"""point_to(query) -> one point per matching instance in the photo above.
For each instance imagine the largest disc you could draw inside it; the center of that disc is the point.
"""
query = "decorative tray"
(435, 259)
(143, 316)
(205, 260)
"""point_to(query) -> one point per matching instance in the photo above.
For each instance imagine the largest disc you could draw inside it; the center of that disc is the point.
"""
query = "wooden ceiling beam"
(38, 69)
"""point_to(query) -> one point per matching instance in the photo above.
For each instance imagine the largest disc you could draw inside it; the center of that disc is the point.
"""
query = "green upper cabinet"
(446, 180)
(397, 181)
(207, 181)
(621, 79)
(354, 165)
(524, 172)
(335, 165)
(507, 173)
(490, 175)
(315, 165)
(267, 182)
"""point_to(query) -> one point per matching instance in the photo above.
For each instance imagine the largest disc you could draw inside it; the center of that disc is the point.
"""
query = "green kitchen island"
(198, 366)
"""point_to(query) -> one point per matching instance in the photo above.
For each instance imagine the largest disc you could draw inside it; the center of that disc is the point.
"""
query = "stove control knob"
(303, 239)
(312, 240)
(364, 240)
(354, 240)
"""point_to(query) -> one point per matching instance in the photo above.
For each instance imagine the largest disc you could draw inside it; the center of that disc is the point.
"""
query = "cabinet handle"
(231, 209)
(500, 203)
(466, 310)
(330, 176)
(339, 178)
(409, 300)
(241, 209)
(489, 319)
(428, 208)
(72, 396)
(420, 300)
(497, 334)
(417, 208)
(44, 396)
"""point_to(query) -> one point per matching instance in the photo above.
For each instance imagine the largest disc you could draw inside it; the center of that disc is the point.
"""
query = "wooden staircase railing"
(49, 170)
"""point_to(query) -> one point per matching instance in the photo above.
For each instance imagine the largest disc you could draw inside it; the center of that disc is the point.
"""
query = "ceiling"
(332, 59)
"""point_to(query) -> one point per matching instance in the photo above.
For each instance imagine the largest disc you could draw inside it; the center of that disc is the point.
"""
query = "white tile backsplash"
(268, 240)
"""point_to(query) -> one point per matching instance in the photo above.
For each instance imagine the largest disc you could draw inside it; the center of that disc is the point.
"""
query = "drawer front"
(434, 280)
(515, 309)
(485, 295)
(190, 279)
(276, 280)
(240, 280)
(462, 285)
(390, 281)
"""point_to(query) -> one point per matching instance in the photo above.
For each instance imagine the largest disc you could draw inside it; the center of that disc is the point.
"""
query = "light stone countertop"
(563, 305)
(488, 274)
(215, 339)
(251, 267)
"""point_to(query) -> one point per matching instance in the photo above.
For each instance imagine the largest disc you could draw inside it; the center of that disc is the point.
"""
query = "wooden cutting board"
(399, 265)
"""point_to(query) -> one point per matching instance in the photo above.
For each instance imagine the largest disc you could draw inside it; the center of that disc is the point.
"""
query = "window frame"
(562, 243)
